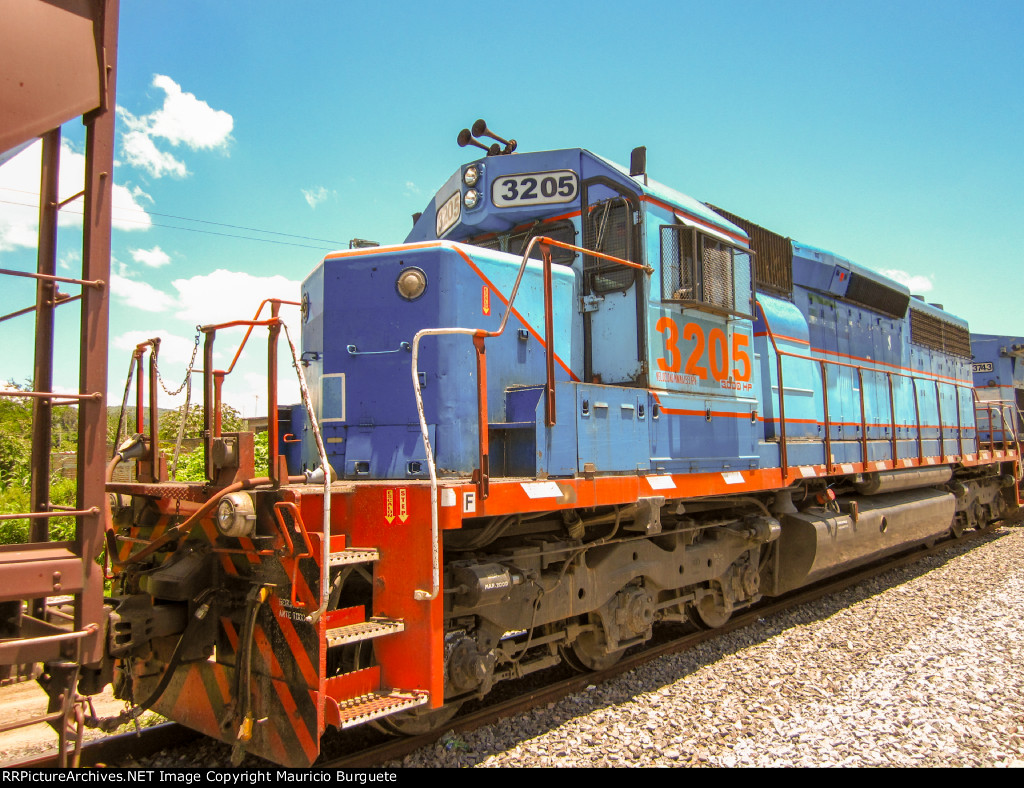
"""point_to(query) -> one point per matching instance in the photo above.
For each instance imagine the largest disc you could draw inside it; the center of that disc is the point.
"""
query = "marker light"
(411, 283)
(472, 176)
(471, 198)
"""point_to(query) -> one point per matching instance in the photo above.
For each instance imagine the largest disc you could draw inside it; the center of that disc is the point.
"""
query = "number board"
(534, 188)
(983, 366)
(704, 356)
(448, 214)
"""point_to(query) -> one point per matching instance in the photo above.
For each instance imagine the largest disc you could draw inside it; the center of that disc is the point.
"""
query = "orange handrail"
(822, 362)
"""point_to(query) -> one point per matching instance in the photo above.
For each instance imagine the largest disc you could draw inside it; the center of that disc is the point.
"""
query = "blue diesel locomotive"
(572, 404)
(998, 369)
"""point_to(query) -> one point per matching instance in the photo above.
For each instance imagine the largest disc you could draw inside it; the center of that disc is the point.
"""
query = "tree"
(231, 421)
(191, 466)
(15, 440)
(16, 467)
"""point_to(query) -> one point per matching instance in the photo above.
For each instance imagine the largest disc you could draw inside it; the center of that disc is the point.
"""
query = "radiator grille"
(931, 332)
(773, 265)
(876, 296)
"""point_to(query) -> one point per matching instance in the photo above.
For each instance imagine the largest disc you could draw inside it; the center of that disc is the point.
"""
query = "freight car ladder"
(357, 696)
(75, 45)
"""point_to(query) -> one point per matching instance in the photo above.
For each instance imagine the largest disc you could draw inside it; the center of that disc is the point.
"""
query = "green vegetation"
(170, 421)
(190, 466)
(16, 466)
(16, 456)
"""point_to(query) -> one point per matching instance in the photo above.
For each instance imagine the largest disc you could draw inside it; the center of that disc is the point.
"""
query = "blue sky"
(255, 136)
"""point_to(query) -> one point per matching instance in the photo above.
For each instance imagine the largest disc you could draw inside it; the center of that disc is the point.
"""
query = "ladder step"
(364, 630)
(353, 555)
(378, 704)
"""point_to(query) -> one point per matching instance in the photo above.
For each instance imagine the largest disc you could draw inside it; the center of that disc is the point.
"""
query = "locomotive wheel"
(710, 612)
(587, 653)
(417, 722)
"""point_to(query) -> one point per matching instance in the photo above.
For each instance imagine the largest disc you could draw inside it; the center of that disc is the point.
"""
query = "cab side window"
(704, 272)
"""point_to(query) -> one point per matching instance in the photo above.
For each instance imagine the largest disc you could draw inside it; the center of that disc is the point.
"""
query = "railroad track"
(137, 746)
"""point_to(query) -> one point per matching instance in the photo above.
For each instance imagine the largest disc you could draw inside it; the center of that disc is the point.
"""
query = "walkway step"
(364, 630)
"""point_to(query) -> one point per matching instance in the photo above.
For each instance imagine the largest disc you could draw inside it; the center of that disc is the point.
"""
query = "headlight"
(411, 283)
(236, 515)
(471, 197)
(472, 176)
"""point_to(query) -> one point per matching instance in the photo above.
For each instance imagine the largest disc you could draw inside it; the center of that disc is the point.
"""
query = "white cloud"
(251, 395)
(218, 297)
(315, 196)
(182, 120)
(70, 261)
(19, 184)
(222, 296)
(173, 349)
(154, 258)
(918, 284)
(140, 295)
(140, 151)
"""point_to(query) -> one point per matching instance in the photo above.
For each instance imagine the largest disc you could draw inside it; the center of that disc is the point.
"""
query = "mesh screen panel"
(724, 278)
(716, 272)
(606, 230)
(677, 280)
(743, 293)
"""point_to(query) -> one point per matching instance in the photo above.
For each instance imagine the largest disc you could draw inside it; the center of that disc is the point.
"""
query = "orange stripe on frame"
(501, 296)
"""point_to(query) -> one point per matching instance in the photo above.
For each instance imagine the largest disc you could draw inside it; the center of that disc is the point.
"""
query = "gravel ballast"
(921, 666)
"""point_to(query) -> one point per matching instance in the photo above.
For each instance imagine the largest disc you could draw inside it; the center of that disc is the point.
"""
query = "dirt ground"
(26, 700)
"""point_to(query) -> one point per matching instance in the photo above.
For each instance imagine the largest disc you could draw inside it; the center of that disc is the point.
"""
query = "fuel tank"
(818, 542)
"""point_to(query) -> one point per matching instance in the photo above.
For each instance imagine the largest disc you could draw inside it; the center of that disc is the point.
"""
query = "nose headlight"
(471, 198)
(472, 176)
(236, 515)
(411, 283)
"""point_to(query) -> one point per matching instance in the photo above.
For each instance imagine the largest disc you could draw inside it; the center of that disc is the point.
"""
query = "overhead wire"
(334, 244)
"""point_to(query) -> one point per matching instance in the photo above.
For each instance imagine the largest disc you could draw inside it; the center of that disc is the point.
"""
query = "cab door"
(613, 295)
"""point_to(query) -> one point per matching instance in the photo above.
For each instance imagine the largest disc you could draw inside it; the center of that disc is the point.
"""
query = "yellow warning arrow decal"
(403, 505)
